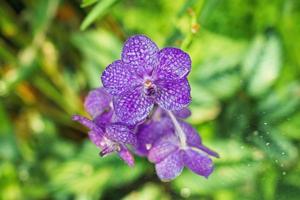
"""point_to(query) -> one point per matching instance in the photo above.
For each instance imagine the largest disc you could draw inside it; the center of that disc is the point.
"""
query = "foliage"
(245, 89)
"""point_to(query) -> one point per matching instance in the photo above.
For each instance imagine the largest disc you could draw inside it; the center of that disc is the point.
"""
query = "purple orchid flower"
(145, 76)
(171, 153)
(160, 124)
(143, 104)
(105, 132)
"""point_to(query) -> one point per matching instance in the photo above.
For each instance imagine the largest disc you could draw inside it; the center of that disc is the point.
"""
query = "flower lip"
(109, 147)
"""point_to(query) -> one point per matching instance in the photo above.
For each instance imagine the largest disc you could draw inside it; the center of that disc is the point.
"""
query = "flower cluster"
(141, 109)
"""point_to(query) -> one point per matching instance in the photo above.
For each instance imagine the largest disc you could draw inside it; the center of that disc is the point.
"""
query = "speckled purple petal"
(141, 53)
(198, 162)
(173, 95)
(192, 136)
(163, 148)
(117, 78)
(182, 113)
(193, 139)
(104, 118)
(208, 151)
(96, 138)
(170, 167)
(126, 156)
(97, 101)
(132, 107)
(88, 123)
(120, 133)
(148, 133)
(173, 64)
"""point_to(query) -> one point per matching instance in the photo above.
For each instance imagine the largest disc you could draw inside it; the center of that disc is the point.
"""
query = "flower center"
(149, 88)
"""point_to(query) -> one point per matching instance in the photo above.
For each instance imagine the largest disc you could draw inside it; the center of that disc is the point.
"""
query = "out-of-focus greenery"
(245, 83)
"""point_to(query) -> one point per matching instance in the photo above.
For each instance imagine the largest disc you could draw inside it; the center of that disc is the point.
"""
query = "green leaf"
(149, 191)
(101, 47)
(9, 148)
(101, 8)
(276, 146)
(251, 59)
(205, 106)
(269, 183)
(88, 175)
(278, 106)
(291, 126)
(293, 176)
(219, 71)
(42, 14)
(265, 66)
(86, 3)
(224, 177)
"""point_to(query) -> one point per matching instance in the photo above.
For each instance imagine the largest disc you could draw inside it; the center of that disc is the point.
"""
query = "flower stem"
(178, 130)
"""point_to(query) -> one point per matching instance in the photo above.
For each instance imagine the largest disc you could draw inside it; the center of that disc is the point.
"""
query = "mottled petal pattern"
(117, 78)
(141, 54)
(170, 167)
(198, 162)
(104, 118)
(194, 140)
(120, 133)
(208, 151)
(173, 64)
(192, 136)
(96, 138)
(183, 113)
(147, 134)
(133, 106)
(97, 101)
(173, 95)
(163, 147)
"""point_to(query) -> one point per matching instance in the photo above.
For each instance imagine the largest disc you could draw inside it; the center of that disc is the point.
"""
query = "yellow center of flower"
(147, 83)
(149, 88)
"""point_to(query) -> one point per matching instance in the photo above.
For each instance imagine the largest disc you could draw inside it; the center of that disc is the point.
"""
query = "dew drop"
(242, 147)
(282, 153)
(265, 123)
(268, 144)
(283, 173)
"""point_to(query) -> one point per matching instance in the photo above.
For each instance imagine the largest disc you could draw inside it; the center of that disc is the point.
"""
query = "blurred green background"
(245, 83)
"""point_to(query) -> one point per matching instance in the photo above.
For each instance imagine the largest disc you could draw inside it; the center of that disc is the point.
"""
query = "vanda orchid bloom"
(141, 107)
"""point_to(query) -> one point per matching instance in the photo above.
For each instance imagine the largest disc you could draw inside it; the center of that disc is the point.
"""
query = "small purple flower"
(170, 154)
(152, 130)
(146, 75)
(104, 132)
